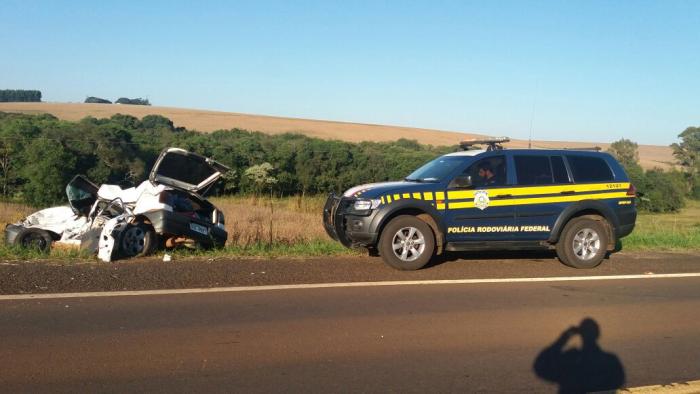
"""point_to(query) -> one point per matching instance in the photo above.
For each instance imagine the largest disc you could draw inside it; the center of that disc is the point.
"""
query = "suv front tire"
(407, 243)
(583, 243)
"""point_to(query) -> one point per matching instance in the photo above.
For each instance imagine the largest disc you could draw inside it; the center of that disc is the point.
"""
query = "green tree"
(687, 152)
(625, 151)
(261, 176)
(50, 170)
(230, 178)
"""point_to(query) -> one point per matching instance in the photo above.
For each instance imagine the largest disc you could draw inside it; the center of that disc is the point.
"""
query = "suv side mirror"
(461, 182)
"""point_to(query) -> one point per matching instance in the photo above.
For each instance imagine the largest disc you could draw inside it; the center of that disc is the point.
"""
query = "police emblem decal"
(481, 199)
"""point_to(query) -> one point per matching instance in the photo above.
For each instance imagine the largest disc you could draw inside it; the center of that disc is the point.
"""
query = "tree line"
(664, 190)
(121, 100)
(39, 154)
(11, 95)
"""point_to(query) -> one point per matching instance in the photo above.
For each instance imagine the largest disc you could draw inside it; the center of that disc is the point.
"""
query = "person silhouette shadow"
(583, 370)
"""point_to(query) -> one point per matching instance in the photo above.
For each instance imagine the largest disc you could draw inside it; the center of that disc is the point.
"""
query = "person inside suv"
(486, 175)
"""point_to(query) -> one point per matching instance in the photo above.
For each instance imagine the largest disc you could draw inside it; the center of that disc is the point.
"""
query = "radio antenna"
(532, 117)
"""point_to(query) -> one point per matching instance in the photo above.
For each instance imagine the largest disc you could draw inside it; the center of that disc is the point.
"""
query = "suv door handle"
(568, 192)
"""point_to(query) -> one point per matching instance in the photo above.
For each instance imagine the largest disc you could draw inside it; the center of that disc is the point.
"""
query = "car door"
(477, 206)
(545, 188)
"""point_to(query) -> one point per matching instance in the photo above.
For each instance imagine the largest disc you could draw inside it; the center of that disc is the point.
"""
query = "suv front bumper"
(346, 228)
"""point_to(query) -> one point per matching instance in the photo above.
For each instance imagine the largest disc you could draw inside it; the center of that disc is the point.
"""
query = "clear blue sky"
(592, 70)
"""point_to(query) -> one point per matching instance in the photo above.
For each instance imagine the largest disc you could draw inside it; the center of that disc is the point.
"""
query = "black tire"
(34, 238)
(583, 243)
(410, 253)
(137, 239)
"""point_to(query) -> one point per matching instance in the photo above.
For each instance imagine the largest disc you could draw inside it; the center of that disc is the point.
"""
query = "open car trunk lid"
(185, 170)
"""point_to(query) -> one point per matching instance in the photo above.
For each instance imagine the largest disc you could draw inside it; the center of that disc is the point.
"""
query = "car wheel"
(138, 239)
(407, 243)
(583, 243)
(34, 238)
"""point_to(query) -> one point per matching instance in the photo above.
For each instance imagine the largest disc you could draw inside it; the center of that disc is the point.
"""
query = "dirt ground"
(649, 155)
(21, 277)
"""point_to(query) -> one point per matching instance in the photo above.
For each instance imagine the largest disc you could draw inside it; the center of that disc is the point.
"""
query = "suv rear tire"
(583, 243)
(407, 243)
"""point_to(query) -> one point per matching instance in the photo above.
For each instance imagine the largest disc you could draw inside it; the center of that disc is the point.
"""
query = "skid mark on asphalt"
(341, 285)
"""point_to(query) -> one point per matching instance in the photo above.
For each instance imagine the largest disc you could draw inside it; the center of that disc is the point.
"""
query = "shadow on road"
(580, 370)
(536, 255)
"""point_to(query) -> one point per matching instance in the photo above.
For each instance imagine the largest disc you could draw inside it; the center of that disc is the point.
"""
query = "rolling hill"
(207, 121)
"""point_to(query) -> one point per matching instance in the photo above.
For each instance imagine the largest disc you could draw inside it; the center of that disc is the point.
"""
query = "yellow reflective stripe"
(416, 196)
(382, 198)
(428, 196)
(439, 195)
(541, 200)
(397, 197)
(406, 195)
(388, 198)
(533, 190)
(440, 206)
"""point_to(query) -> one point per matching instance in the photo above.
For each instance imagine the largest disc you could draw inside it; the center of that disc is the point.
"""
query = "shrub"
(663, 191)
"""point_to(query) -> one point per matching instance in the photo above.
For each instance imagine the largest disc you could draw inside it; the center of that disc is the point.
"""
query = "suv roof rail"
(493, 143)
(593, 148)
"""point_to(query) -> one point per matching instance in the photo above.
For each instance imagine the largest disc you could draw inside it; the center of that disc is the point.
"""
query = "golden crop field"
(206, 121)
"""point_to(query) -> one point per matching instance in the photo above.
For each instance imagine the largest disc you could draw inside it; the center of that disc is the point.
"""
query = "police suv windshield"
(436, 170)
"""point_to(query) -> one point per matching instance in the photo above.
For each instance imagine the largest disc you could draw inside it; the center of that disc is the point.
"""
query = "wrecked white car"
(167, 210)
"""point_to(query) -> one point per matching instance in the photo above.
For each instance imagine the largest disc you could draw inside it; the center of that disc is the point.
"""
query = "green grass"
(668, 232)
(653, 232)
(18, 253)
(313, 248)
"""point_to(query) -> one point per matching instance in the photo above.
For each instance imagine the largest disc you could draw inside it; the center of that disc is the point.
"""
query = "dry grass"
(291, 220)
(12, 212)
(249, 220)
(649, 155)
(688, 219)
(253, 223)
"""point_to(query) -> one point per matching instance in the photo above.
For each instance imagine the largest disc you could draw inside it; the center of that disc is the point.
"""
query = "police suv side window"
(559, 170)
(533, 170)
(589, 169)
(487, 172)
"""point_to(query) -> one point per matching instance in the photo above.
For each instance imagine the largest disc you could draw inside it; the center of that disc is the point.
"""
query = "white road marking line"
(339, 285)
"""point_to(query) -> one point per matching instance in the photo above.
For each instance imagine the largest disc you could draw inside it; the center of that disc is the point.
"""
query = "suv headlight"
(366, 205)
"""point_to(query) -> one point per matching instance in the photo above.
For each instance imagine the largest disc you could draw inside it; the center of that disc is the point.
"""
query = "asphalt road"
(20, 277)
(414, 338)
